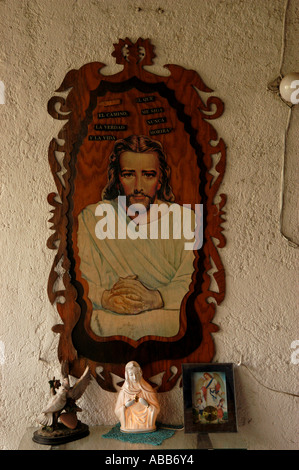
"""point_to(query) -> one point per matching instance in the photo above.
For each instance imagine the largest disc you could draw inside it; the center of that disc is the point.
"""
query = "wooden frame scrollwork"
(101, 109)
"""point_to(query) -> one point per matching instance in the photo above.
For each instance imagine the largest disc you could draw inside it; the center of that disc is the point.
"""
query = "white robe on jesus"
(162, 264)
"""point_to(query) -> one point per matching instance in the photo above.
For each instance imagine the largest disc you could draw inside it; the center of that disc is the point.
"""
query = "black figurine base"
(61, 435)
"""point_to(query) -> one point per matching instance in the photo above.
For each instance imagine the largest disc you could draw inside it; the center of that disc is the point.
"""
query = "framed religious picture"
(136, 217)
(209, 398)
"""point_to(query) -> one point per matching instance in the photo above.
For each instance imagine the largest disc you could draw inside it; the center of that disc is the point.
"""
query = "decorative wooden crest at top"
(135, 137)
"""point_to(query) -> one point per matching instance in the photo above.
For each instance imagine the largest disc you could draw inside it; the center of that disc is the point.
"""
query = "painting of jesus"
(138, 268)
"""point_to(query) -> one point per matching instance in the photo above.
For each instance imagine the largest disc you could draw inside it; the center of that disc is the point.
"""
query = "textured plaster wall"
(235, 45)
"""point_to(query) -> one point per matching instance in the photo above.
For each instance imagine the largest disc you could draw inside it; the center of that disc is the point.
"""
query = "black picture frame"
(209, 398)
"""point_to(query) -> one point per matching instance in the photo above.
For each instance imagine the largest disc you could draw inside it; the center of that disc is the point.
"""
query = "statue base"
(61, 435)
(127, 431)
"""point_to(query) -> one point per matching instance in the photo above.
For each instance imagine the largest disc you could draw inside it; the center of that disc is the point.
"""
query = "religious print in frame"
(136, 217)
(209, 398)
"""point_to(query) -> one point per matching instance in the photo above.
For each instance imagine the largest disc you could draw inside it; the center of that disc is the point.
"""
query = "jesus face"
(139, 178)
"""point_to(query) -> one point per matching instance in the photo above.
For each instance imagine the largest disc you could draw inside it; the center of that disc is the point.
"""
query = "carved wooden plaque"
(137, 139)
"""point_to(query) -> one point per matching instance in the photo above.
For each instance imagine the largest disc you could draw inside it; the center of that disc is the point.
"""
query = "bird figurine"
(63, 401)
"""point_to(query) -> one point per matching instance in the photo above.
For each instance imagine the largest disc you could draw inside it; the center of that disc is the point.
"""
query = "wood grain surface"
(177, 110)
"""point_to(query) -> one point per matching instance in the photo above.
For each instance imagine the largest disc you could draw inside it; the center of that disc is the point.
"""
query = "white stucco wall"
(235, 45)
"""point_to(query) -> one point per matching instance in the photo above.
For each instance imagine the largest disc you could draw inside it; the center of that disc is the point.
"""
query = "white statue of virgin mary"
(137, 405)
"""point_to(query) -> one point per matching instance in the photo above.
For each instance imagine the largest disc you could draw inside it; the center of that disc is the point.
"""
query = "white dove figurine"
(59, 400)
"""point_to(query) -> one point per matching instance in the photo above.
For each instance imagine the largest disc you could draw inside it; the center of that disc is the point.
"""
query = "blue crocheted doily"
(154, 438)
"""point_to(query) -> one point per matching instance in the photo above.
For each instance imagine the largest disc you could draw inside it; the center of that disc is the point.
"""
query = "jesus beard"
(133, 201)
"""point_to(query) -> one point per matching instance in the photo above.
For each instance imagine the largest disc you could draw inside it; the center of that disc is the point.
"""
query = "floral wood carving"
(100, 110)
